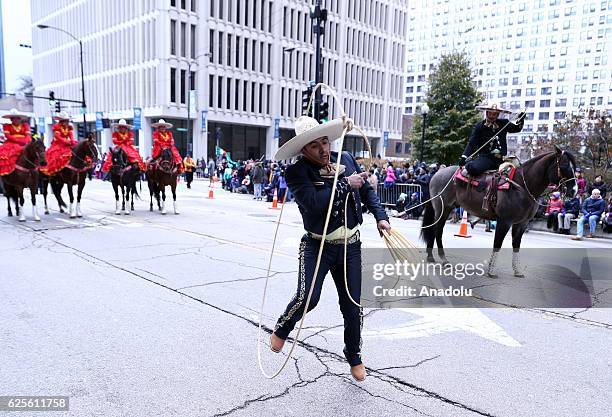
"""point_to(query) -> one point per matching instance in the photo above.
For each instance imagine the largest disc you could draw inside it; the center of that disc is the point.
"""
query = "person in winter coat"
(571, 210)
(554, 207)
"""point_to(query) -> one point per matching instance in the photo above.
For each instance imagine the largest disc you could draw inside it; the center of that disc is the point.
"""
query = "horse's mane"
(547, 154)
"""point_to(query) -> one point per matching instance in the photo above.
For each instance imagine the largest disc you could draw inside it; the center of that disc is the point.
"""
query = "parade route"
(145, 315)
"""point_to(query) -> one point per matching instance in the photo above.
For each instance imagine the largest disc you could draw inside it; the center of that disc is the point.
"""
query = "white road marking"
(438, 321)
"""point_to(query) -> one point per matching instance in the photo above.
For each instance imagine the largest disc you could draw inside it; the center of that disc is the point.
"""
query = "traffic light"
(81, 130)
(51, 96)
(305, 99)
(58, 106)
(323, 111)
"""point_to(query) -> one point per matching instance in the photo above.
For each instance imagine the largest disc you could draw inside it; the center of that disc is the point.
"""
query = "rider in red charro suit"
(124, 138)
(17, 135)
(60, 151)
(162, 139)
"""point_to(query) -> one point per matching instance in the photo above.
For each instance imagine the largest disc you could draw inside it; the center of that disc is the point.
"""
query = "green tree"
(452, 98)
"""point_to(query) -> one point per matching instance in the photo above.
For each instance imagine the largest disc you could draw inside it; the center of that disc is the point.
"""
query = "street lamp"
(424, 111)
(195, 60)
(83, 105)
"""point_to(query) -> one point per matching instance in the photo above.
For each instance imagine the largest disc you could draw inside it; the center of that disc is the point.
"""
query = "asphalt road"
(151, 315)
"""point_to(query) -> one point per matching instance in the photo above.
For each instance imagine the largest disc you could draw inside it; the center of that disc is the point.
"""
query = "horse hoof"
(10, 214)
(519, 275)
(492, 276)
(117, 212)
(37, 219)
(127, 213)
(22, 220)
(73, 216)
(431, 259)
(46, 211)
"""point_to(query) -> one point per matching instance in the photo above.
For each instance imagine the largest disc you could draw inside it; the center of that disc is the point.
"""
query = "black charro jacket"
(312, 193)
(481, 134)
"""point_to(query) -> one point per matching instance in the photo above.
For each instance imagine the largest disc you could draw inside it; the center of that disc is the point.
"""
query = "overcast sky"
(16, 29)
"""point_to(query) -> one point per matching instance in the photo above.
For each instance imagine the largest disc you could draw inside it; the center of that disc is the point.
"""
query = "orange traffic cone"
(211, 192)
(463, 229)
(275, 201)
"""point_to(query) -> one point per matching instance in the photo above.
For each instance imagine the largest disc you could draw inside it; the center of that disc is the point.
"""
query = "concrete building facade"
(247, 62)
(548, 57)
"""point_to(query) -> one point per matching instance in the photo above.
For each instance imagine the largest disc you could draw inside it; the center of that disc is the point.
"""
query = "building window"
(173, 85)
(211, 87)
(172, 37)
(183, 4)
(183, 39)
(183, 85)
(193, 41)
(192, 80)
(543, 115)
(193, 5)
(172, 3)
(544, 103)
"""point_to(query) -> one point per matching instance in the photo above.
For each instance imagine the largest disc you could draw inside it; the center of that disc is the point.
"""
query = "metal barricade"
(389, 196)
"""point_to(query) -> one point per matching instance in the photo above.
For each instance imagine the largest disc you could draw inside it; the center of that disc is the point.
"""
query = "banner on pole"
(137, 118)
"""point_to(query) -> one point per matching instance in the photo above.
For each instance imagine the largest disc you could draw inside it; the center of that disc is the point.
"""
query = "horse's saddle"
(490, 182)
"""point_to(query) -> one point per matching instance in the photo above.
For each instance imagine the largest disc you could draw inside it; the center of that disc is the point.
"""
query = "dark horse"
(514, 208)
(160, 173)
(74, 173)
(24, 176)
(123, 175)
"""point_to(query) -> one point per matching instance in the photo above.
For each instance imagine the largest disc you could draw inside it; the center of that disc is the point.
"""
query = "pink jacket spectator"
(555, 204)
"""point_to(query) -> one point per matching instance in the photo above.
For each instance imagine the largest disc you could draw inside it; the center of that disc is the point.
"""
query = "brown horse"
(74, 173)
(24, 176)
(161, 173)
(514, 209)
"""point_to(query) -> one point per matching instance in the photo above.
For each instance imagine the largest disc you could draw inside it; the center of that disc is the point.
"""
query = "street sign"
(137, 118)
(276, 128)
(204, 126)
(181, 129)
(99, 124)
(385, 139)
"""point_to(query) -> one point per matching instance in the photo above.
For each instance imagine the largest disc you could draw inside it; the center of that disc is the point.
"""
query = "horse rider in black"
(491, 154)
(310, 179)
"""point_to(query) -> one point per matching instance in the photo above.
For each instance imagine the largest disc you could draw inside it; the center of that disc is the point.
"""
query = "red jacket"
(63, 135)
(19, 134)
(554, 205)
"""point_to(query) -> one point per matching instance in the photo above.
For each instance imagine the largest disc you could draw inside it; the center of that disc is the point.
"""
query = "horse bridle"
(560, 175)
(125, 163)
(169, 162)
(36, 164)
(86, 166)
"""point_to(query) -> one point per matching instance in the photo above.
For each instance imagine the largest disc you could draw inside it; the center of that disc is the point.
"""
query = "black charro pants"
(332, 260)
(482, 163)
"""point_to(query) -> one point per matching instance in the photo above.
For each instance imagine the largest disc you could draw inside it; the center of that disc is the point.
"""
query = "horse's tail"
(57, 192)
(428, 232)
(133, 188)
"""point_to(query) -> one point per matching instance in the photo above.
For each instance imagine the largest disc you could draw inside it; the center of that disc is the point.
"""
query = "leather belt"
(351, 239)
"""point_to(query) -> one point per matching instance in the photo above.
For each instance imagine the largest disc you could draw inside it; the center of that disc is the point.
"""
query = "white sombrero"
(14, 114)
(492, 106)
(161, 122)
(122, 123)
(62, 116)
(307, 130)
